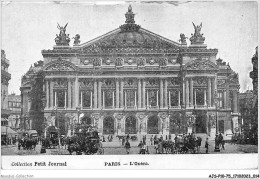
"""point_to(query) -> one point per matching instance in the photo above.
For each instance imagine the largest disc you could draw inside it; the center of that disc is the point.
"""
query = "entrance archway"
(86, 120)
(108, 125)
(130, 125)
(200, 123)
(153, 125)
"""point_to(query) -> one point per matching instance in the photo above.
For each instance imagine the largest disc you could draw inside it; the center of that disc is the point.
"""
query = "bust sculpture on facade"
(197, 37)
(62, 38)
(76, 39)
(183, 39)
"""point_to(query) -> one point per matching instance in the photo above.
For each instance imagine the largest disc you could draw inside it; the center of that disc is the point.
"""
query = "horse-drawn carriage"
(85, 141)
(51, 140)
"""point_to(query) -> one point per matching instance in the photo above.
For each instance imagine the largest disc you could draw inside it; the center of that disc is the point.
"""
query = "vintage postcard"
(129, 85)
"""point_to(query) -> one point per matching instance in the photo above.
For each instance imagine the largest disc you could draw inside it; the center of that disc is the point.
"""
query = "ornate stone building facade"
(254, 76)
(131, 80)
(14, 104)
(5, 78)
(31, 98)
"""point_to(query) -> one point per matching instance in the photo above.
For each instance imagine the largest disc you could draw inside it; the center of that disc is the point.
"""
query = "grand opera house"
(133, 81)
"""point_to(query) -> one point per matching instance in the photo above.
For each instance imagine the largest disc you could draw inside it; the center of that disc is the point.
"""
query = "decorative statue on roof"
(129, 22)
(76, 39)
(62, 38)
(183, 39)
(197, 37)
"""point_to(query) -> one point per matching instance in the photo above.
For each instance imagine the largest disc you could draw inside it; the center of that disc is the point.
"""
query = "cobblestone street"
(115, 148)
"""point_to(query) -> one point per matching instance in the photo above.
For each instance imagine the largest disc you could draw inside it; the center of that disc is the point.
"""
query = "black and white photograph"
(129, 85)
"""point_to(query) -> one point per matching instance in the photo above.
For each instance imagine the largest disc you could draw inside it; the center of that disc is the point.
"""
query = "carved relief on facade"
(163, 62)
(152, 82)
(119, 62)
(200, 64)
(130, 83)
(61, 66)
(108, 83)
(107, 61)
(164, 118)
(60, 83)
(140, 62)
(96, 62)
(221, 83)
(174, 82)
(97, 119)
(86, 61)
(200, 81)
(142, 121)
(119, 117)
(130, 61)
(151, 61)
(172, 60)
(85, 83)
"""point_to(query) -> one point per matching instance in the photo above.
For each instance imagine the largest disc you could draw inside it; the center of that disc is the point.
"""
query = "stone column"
(214, 88)
(69, 93)
(205, 97)
(209, 91)
(139, 94)
(76, 92)
(183, 93)
(187, 93)
(161, 93)
(225, 99)
(235, 101)
(55, 99)
(103, 99)
(51, 94)
(117, 94)
(47, 94)
(95, 94)
(191, 92)
(65, 106)
(165, 94)
(99, 95)
(91, 103)
(73, 94)
(144, 84)
(81, 99)
(121, 93)
(179, 98)
(195, 96)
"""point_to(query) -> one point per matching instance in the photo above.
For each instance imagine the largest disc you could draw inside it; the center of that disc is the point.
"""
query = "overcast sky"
(28, 28)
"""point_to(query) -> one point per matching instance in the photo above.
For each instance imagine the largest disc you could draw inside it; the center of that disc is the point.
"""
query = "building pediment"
(60, 65)
(200, 64)
(127, 40)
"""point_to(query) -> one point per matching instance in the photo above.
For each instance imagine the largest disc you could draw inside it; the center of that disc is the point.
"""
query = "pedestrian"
(223, 144)
(198, 143)
(160, 147)
(19, 145)
(151, 139)
(140, 145)
(207, 146)
(127, 147)
(144, 139)
(123, 141)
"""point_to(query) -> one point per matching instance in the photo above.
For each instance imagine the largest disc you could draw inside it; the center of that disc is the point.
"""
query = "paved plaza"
(115, 148)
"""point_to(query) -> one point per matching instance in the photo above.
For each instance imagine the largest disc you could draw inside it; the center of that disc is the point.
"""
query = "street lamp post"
(216, 123)
(58, 123)
(78, 111)
(6, 140)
